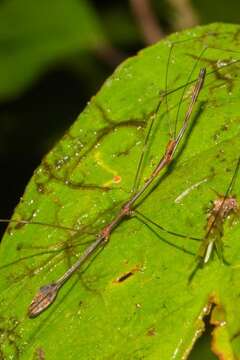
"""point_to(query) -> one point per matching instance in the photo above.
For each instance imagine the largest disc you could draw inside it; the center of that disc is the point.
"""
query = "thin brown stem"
(109, 54)
(186, 15)
(147, 21)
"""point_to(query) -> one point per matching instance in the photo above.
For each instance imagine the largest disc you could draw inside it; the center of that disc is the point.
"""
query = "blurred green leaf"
(155, 313)
(121, 26)
(35, 34)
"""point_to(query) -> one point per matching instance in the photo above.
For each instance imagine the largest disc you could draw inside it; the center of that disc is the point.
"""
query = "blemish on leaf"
(126, 275)
(40, 188)
(151, 332)
(19, 247)
(117, 179)
(188, 190)
(40, 354)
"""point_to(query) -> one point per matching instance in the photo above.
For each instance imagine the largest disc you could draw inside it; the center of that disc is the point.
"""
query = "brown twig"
(109, 54)
(147, 21)
(186, 16)
(47, 294)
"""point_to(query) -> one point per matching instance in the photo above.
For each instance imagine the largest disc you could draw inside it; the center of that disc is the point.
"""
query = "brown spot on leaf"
(123, 277)
(151, 332)
(40, 354)
(40, 188)
(127, 275)
(117, 179)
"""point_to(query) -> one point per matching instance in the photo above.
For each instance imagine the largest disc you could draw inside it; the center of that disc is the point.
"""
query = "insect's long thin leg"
(166, 87)
(153, 117)
(171, 91)
(25, 222)
(234, 178)
(185, 87)
(140, 162)
(48, 293)
(153, 120)
(140, 215)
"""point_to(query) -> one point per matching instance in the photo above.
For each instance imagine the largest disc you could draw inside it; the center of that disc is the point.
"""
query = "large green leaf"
(155, 313)
(35, 34)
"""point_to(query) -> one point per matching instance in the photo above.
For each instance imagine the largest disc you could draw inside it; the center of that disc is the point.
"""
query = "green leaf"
(134, 300)
(36, 34)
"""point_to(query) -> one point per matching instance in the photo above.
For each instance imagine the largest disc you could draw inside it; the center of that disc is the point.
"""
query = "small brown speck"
(117, 179)
(40, 354)
(124, 277)
(151, 332)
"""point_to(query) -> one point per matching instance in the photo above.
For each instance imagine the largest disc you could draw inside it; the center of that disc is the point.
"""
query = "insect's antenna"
(233, 180)
(166, 87)
(140, 215)
(172, 144)
(26, 222)
(153, 117)
(195, 94)
(140, 162)
(185, 87)
(152, 120)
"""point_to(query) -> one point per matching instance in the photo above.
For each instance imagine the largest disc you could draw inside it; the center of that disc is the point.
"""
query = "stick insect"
(48, 293)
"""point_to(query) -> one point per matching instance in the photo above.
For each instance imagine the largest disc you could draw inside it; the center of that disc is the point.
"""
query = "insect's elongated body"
(48, 293)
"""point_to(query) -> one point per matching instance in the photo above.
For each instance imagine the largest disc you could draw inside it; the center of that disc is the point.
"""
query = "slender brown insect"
(48, 293)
